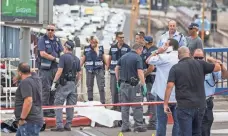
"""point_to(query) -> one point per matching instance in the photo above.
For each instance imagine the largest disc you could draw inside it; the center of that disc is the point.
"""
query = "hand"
(211, 59)
(56, 60)
(167, 109)
(21, 122)
(53, 86)
(144, 90)
(118, 86)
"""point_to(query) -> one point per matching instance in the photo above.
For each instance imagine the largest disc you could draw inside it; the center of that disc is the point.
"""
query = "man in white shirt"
(163, 63)
(172, 33)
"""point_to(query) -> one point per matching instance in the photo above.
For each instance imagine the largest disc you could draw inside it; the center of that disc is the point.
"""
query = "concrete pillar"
(25, 40)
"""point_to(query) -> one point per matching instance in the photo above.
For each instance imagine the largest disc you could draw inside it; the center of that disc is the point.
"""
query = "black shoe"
(51, 115)
(58, 129)
(151, 127)
(140, 130)
(67, 129)
(126, 130)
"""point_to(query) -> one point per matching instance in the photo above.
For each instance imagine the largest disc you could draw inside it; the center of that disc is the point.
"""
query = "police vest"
(50, 47)
(94, 61)
(116, 54)
(145, 54)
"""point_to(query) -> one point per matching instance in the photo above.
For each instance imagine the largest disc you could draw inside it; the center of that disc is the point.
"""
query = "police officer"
(131, 74)
(172, 33)
(49, 50)
(94, 60)
(115, 53)
(149, 73)
(67, 75)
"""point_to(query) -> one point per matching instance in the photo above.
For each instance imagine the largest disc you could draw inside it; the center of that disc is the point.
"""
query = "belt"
(127, 82)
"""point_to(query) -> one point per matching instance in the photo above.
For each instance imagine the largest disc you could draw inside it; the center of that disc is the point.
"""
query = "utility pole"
(133, 14)
(202, 26)
(149, 15)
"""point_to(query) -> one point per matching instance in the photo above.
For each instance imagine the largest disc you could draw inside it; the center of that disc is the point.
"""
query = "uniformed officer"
(149, 73)
(115, 53)
(172, 33)
(94, 60)
(49, 50)
(67, 75)
(210, 82)
(131, 80)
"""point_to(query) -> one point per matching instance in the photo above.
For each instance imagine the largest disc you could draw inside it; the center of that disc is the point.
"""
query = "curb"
(77, 121)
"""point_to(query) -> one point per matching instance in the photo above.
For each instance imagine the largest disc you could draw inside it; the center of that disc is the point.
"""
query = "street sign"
(27, 12)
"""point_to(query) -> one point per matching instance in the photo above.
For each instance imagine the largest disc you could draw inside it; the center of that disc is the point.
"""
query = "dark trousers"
(190, 121)
(208, 118)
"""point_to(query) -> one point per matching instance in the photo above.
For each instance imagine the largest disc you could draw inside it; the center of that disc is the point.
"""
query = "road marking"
(219, 131)
(120, 134)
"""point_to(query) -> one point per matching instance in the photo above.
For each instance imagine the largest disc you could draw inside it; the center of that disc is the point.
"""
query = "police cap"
(148, 39)
(69, 44)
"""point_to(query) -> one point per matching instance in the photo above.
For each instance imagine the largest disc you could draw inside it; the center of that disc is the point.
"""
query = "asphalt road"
(99, 131)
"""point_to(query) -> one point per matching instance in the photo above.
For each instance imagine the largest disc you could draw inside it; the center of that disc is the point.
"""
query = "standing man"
(131, 80)
(49, 50)
(172, 33)
(193, 41)
(67, 75)
(94, 60)
(115, 53)
(210, 82)
(188, 78)
(28, 103)
(139, 37)
(149, 74)
(164, 62)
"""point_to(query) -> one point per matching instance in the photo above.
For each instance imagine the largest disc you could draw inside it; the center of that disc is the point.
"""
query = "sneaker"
(57, 129)
(140, 130)
(51, 115)
(126, 130)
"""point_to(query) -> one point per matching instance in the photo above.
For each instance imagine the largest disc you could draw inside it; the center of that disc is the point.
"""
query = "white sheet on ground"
(100, 114)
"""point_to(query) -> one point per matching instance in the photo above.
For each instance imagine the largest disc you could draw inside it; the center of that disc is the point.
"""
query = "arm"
(117, 72)
(27, 105)
(141, 76)
(217, 63)
(168, 92)
(224, 72)
(82, 61)
(149, 70)
(58, 74)
(109, 61)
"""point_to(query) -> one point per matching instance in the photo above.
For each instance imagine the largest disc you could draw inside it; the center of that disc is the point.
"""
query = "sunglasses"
(199, 58)
(50, 30)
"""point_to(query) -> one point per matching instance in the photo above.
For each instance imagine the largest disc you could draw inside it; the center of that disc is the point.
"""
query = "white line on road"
(220, 131)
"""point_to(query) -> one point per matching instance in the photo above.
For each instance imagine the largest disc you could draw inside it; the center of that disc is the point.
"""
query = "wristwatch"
(22, 119)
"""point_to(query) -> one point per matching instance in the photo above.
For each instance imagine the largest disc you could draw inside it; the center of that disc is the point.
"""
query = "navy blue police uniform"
(116, 53)
(47, 68)
(94, 65)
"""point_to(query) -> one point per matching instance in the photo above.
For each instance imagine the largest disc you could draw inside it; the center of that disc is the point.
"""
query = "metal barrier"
(7, 88)
(221, 54)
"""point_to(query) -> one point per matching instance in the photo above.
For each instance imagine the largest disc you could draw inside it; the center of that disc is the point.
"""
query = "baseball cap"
(69, 44)
(193, 25)
(148, 39)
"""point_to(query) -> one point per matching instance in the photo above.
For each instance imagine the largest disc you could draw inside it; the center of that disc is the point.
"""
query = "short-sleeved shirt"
(129, 64)
(193, 44)
(188, 76)
(177, 36)
(54, 45)
(210, 82)
(69, 62)
(30, 87)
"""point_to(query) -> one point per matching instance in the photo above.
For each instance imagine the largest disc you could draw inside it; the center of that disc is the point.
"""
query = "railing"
(221, 54)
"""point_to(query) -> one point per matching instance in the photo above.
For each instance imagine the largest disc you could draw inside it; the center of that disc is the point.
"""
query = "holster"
(62, 81)
(134, 81)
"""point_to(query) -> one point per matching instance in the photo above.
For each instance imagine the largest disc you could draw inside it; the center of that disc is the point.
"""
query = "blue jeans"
(29, 129)
(190, 121)
(162, 119)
